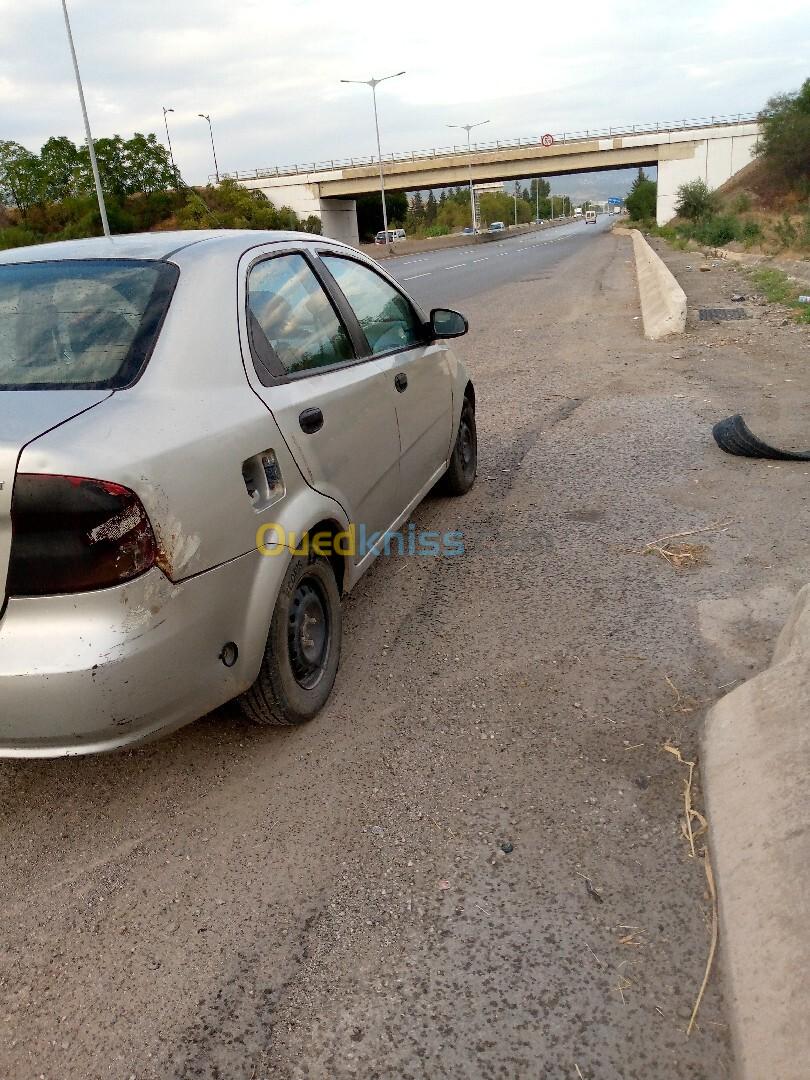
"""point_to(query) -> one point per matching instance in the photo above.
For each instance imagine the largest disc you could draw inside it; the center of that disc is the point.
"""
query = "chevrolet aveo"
(167, 403)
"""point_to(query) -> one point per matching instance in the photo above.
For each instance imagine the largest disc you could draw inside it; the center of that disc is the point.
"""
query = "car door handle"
(311, 420)
(401, 382)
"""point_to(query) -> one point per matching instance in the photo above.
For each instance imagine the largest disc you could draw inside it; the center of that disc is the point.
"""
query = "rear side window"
(387, 319)
(80, 324)
(288, 306)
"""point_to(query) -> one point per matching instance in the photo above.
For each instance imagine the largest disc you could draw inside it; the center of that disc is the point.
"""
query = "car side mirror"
(446, 323)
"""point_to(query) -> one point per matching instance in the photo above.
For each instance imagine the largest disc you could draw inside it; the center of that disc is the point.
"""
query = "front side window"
(387, 319)
(80, 323)
(288, 305)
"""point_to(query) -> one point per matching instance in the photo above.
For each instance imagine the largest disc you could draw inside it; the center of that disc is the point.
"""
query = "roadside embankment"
(756, 760)
(663, 301)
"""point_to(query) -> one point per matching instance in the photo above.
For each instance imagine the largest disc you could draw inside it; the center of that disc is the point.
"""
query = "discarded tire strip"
(735, 437)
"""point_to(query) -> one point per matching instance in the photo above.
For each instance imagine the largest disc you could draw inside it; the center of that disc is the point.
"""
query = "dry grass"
(690, 835)
(683, 556)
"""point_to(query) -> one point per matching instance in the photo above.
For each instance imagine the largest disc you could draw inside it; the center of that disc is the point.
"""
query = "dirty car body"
(141, 451)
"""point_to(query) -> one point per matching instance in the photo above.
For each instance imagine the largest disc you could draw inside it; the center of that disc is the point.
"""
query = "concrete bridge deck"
(711, 149)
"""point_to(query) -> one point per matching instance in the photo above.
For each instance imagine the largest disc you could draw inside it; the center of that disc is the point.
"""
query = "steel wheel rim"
(309, 633)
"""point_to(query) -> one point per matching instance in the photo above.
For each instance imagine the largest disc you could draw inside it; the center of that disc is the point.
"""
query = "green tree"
(148, 165)
(543, 185)
(61, 169)
(431, 208)
(784, 145)
(641, 202)
(20, 176)
(695, 201)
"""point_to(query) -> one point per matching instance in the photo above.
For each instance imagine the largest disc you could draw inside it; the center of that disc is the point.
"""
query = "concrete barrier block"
(663, 301)
(756, 765)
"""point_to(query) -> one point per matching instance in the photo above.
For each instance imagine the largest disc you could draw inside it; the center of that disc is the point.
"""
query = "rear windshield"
(80, 324)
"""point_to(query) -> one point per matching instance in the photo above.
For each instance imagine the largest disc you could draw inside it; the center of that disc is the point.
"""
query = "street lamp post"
(468, 128)
(102, 209)
(205, 116)
(169, 141)
(374, 83)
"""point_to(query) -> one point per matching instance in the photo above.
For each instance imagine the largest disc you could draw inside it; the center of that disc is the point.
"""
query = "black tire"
(735, 437)
(303, 647)
(460, 475)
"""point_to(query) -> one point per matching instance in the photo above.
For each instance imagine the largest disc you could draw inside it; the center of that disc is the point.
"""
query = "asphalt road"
(447, 277)
(471, 865)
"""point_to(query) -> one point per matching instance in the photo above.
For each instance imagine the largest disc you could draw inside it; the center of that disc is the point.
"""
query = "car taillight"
(71, 534)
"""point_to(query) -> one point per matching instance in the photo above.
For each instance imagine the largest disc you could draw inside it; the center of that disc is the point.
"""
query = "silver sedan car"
(205, 439)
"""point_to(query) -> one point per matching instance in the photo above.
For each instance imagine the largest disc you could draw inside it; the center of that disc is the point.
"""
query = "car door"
(329, 397)
(418, 370)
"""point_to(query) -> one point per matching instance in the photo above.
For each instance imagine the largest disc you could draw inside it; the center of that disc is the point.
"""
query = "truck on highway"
(590, 217)
(577, 211)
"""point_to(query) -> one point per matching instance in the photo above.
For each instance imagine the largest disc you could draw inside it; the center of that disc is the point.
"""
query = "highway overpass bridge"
(711, 149)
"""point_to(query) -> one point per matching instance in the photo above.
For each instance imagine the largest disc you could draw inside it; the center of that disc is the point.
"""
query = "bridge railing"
(564, 137)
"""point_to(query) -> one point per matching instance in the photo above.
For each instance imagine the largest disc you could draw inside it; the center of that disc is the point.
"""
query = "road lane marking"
(413, 277)
(481, 260)
(455, 266)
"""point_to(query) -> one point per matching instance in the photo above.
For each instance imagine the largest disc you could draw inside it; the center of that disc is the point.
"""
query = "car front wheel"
(460, 475)
(303, 647)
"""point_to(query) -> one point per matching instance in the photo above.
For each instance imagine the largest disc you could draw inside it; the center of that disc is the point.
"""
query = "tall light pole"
(169, 141)
(468, 128)
(374, 83)
(102, 209)
(205, 116)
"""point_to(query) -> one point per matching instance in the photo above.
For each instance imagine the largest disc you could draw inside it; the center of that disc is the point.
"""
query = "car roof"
(154, 245)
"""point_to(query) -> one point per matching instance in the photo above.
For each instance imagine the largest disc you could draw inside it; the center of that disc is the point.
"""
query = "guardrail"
(564, 137)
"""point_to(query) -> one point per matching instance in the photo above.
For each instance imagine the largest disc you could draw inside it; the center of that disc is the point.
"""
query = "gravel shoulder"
(336, 901)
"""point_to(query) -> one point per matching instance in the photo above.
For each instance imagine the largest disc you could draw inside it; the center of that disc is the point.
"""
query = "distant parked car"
(206, 438)
(497, 226)
(393, 235)
(539, 221)
(468, 230)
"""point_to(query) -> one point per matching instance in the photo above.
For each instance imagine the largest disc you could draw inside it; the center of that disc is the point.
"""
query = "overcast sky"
(268, 72)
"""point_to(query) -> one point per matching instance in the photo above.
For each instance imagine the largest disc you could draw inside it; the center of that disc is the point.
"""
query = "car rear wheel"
(460, 475)
(303, 647)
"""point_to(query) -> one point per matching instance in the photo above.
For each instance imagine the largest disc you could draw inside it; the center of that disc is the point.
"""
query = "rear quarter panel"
(179, 436)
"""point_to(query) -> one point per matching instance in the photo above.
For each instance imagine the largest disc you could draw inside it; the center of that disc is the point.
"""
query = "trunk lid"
(24, 416)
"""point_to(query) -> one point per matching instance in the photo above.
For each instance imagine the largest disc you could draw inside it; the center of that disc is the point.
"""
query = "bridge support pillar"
(713, 160)
(338, 216)
(339, 220)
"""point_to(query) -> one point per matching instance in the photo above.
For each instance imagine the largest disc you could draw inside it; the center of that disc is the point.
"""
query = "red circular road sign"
(547, 140)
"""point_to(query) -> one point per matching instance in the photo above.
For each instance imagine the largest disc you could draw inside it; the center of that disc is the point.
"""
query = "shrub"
(437, 230)
(717, 231)
(785, 232)
(18, 236)
(741, 204)
(751, 233)
(695, 201)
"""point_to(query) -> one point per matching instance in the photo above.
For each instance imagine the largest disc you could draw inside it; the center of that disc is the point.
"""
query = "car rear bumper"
(101, 670)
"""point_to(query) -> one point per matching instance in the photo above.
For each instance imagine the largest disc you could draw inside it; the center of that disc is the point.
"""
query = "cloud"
(269, 75)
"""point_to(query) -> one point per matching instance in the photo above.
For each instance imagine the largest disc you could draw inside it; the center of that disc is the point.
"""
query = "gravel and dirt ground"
(471, 865)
